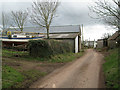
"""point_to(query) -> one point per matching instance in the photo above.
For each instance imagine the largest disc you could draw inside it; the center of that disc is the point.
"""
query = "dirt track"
(82, 73)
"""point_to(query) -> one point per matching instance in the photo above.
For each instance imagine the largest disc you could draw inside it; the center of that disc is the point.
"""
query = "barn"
(70, 34)
(71, 38)
(101, 43)
(67, 33)
(113, 40)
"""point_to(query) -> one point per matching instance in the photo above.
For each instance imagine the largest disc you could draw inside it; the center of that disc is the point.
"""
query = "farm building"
(91, 44)
(69, 33)
(102, 43)
(71, 38)
(113, 40)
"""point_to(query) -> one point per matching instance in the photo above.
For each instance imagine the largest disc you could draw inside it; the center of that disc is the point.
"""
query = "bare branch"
(109, 11)
(43, 12)
(5, 21)
(19, 19)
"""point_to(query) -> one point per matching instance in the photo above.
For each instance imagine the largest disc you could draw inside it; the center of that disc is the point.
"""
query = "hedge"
(46, 48)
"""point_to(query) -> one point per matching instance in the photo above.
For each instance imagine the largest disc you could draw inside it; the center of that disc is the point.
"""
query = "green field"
(110, 68)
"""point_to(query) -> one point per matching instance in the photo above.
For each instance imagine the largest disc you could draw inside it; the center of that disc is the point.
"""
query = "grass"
(12, 53)
(29, 77)
(10, 76)
(60, 58)
(110, 68)
(15, 79)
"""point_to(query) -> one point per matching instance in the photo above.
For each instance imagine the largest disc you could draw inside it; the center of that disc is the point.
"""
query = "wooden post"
(82, 38)
(89, 42)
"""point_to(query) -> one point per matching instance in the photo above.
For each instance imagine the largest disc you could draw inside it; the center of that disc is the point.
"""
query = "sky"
(70, 12)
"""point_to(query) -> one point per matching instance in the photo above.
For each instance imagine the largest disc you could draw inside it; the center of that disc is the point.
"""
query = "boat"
(21, 36)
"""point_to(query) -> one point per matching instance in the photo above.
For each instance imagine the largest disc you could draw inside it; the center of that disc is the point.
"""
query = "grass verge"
(110, 68)
(30, 76)
(10, 76)
(60, 58)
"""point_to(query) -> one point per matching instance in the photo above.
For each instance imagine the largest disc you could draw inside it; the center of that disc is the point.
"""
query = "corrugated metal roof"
(53, 29)
(63, 36)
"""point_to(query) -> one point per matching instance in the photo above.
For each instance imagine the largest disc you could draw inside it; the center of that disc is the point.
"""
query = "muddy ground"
(85, 72)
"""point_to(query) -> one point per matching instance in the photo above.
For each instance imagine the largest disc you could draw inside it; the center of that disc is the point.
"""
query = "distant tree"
(43, 12)
(106, 35)
(5, 22)
(19, 19)
(108, 10)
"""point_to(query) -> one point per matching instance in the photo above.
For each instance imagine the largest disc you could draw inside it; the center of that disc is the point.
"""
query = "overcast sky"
(70, 12)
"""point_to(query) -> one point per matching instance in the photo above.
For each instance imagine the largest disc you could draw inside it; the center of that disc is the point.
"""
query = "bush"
(46, 48)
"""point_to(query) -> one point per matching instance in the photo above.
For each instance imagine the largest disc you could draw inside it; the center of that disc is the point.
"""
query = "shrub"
(46, 48)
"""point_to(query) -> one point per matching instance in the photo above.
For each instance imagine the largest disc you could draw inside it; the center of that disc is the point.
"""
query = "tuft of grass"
(29, 77)
(62, 58)
(10, 76)
(110, 68)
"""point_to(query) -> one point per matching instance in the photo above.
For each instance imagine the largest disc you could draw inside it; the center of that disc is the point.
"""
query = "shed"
(113, 40)
(71, 38)
(102, 43)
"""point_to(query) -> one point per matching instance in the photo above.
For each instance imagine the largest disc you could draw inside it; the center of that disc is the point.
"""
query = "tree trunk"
(47, 32)
(21, 29)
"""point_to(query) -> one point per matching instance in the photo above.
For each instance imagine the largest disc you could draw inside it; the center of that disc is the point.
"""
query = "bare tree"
(19, 19)
(43, 12)
(108, 10)
(5, 22)
(106, 35)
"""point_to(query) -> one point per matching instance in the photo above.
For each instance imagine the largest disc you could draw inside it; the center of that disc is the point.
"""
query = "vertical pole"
(82, 37)
(82, 32)
(89, 42)
(79, 38)
(94, 44)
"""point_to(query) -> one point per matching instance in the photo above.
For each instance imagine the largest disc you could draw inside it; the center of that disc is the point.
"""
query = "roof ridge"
(64, 25)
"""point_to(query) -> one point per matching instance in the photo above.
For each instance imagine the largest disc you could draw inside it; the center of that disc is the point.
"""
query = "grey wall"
(112, 43)
(100, 44)
(70, 41)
